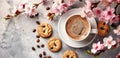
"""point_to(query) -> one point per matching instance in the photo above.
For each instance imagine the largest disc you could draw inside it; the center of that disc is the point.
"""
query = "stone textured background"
(17, 38)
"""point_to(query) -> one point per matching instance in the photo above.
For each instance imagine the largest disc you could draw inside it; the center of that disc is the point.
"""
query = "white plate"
(64, 36)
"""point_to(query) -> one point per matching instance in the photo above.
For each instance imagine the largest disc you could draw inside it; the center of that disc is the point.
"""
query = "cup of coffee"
(78, 28)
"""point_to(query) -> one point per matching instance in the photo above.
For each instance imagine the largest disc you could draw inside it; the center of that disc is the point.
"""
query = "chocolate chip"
(38, 46)
(51, 48)
(37, 36)
(49, 57)
(104, 23)
(72, 57)
(33, 49)
(43, 31)
(43, 26)
(42, 45)
(79, 33)
(55, 44)
(40, 55)
(34, 30)
(37, 40)
(44, 53)
(48, 8)
(37, 14)
(101, 28)
(67, 56)
(38, 22)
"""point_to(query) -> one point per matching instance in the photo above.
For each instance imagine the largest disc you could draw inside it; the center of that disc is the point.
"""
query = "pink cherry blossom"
(114, 19)
(103, 17)
(30, 10)
(96, 47)
(107, 15)
(21, 7)
(117, 31)
(59, 7)
(109, 42)
(87, 8)
(97, 12)
(14, 10)
(63, 7)
(55, 7)
(88, 12)
(88, 4)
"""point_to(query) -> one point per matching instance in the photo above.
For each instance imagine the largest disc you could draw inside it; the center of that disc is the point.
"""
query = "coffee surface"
(77, 27)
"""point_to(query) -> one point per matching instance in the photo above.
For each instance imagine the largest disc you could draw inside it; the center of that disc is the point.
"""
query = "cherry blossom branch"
(25, 8)
(30, 9)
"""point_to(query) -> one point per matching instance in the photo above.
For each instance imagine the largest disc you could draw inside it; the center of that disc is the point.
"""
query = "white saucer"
(66, 39)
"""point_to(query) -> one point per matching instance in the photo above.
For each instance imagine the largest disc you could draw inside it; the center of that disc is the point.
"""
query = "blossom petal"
(115, 31)
(109, 46)
(110, 38)
(97, 12)
(93, 51)
(104, 40)
(118, 33)
(113, 42)
(94, 45)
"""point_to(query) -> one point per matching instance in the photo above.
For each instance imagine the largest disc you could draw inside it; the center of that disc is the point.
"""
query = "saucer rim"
(61, 37)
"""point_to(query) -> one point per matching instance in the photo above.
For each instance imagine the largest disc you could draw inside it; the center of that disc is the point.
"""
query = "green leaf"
(88, 52)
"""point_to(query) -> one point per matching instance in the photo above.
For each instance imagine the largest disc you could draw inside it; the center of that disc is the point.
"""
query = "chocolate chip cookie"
(69, 54)
(103, 28)
(44, 30)
(54, 44)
